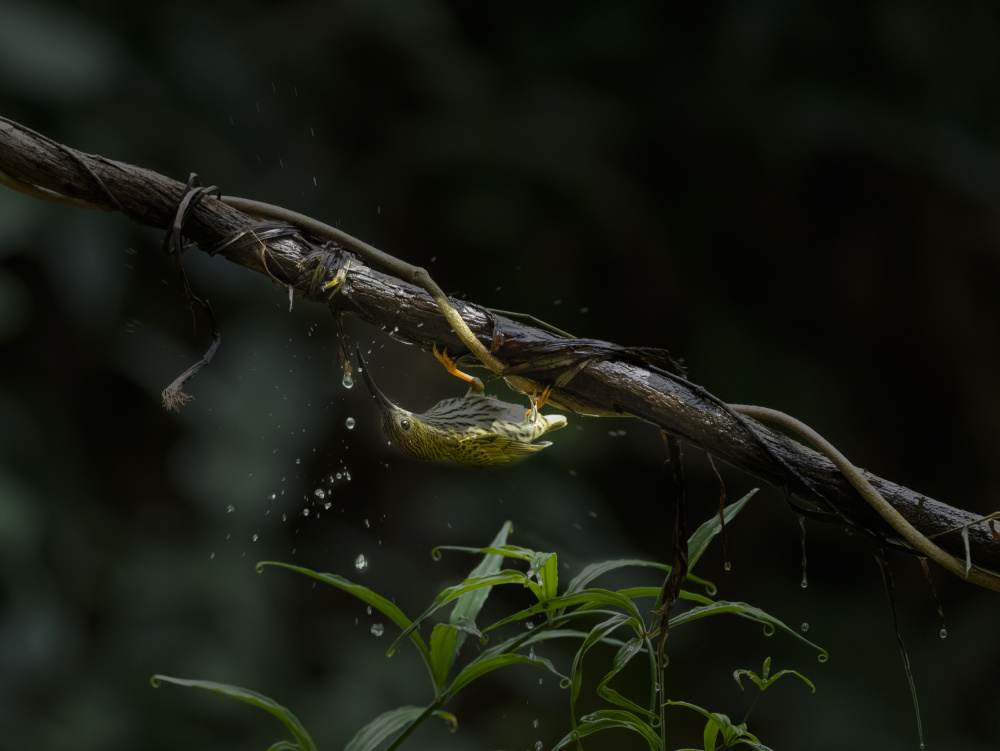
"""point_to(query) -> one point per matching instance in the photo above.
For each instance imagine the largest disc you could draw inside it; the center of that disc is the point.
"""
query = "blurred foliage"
(798, 199)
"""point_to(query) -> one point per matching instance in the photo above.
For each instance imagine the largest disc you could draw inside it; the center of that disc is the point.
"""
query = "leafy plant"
(569, 615)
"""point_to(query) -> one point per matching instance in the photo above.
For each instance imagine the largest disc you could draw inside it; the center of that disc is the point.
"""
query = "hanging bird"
(476, 429)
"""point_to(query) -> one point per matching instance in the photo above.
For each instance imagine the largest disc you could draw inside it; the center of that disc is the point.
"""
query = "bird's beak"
(380, 398)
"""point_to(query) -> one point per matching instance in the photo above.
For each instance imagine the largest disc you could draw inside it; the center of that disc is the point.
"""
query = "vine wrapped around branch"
(589, 377)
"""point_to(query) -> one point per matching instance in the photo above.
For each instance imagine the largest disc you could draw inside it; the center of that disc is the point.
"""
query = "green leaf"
(625, 654)
(520, 641)
(442, 653)
(366, 595)
(481, 666)
(302, 739)
(467, 608)
(595, 570)
(386, 725)
(609, 719)
(597, 634)
(698, 542)
(588, 599)
(745, 611)
(453, 593)
(763, 681)
(545, 568)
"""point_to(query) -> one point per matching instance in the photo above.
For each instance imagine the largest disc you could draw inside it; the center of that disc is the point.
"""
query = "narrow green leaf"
(467, 608)
(587, 599)
(545, 568)
(298, 731)
(764, 681)
(698, 542)
(594, 570)
(453, 593)
(597, 634)
(384, 606)
(520, 641)
(625, 654)
(387, 725)
(609, 719)
(750, 612)
(480, 667)
(442, 652)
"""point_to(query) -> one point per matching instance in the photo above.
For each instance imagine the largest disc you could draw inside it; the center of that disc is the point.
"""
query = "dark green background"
(798, 199)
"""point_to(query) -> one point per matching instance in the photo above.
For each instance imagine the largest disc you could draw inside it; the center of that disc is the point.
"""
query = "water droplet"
(529, 625)
(211, 555)
(727, 566)
(348, 381)
(319, 493)
(254, 538)
(305, 512)
(802, 544)
(361, 563)
(804, 627)
(230, 508)
(378, 629)
(944, 633)
(369, 610)
(367, 523)
(538, 746)
(534, 723)
(349, 423)
(327, 505)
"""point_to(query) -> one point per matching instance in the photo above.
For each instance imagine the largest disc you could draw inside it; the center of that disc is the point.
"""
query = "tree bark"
(612, 379)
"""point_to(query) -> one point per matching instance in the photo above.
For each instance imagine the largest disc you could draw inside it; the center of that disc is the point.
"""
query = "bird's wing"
(491, 450)
(469, 410)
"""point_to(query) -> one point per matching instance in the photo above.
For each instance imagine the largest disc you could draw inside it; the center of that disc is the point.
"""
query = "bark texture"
(606, 378)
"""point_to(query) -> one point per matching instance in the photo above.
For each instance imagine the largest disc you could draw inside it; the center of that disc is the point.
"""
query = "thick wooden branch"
(615, 381)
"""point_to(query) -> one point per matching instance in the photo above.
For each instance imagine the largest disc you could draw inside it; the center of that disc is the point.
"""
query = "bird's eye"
(404, 424)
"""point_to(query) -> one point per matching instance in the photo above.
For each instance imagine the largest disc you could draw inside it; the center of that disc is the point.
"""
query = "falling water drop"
(230, 508)
(804, 626)
(802, 542)
(349, 423)
(361, 563)
(378, 629)
(944, 633)
(348, 381)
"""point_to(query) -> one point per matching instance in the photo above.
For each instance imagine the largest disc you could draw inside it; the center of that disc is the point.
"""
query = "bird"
(475, 430)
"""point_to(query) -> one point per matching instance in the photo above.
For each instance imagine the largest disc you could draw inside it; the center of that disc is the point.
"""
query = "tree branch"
(589, 377)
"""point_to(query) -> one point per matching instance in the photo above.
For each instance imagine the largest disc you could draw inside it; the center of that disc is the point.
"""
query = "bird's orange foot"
(449, 365)
(537, 402)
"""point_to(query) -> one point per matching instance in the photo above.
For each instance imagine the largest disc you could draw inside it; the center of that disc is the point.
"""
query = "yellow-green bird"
(476, 429)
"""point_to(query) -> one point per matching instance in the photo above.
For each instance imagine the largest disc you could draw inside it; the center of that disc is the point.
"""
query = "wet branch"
(589, 377)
